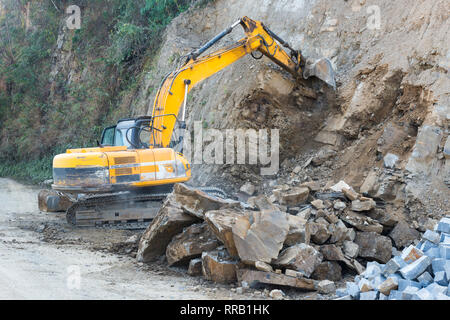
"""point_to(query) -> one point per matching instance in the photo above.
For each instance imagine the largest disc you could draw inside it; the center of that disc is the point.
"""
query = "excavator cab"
(134, 133)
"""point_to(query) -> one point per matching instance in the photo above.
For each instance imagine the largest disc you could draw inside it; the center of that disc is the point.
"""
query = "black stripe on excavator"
(65, 173)
(128, 178)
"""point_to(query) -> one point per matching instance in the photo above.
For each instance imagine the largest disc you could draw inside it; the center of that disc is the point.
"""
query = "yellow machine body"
(99, 170)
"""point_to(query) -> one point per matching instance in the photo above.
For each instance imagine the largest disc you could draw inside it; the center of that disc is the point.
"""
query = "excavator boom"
(176, 85)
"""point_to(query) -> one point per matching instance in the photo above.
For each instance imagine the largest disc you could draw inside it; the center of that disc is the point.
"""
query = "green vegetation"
(59, 89)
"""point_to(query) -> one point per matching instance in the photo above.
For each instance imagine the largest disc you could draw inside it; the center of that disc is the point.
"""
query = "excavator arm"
(176, 85)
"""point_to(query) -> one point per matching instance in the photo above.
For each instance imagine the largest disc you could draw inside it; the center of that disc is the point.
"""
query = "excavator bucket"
(321, 69)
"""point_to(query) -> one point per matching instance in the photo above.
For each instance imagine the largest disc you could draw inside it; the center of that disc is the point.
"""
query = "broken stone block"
(424, 294)
(444, 251)
(363, 205)
(196, 202)
(374, 246)
(441, 296)
(410, 293)
(351, 249)
(190, 244)
(319, 233)
(425, 279)
(369, 295)
(248, 188)
(252, 277)
(352, 289)
(331, 252)
(389, 284)
(293, 196)
(444, 225)
(440, 278)
(262, 266)
(301, 257)
(438, 265)
(390, 160)
(395, 295)
(425, 149)
(221, 223)
(411, 254)
(276, 294)
(298, 231)
(364, 285)
(318, 204)
(339, 186)
(339, 205)
(346, 297)
(169, 221)
(403, 235)
(326, 287)
(218, 269)
(259, 236)
(350, 193)
(431, 236)
(311, 185)
(435, 288)
(338, 232)
(416, 268)
(362, 223)
(328, 270)
(393, 265)
(262, 203)
(195, 267)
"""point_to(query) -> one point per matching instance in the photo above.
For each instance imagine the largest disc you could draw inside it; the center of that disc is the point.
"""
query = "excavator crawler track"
(122, 210)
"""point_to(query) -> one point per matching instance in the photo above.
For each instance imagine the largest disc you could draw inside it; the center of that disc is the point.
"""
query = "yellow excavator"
(124, 179)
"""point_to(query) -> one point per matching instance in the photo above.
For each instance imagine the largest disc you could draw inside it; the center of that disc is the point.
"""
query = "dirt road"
(41, 257)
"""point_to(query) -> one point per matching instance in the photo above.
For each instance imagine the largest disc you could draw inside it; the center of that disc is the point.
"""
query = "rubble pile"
(420, 272)
(303, 236)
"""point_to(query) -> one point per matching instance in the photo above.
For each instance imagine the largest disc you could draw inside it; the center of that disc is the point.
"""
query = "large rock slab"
(298, 231)
(403, 235)
(218, 268)
(197, 202)
(253, 277)
(259, 235)
(374, 246)
(361, 222)
(301, 257)
(191, 243)
(319, 233)
(170, 221)
(221, 223)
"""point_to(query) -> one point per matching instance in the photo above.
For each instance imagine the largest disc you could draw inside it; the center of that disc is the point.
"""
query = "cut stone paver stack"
(420, 272)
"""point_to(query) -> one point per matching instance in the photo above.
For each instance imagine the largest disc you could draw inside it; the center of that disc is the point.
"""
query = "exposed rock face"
(169, 222)
(403, 235)
(301, 257)
(191, 243)
(374, 246)
(221, 223)
(218, 268)
(197, 202)
(259, 235)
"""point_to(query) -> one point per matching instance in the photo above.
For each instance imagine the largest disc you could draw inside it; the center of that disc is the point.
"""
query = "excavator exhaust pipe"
(321, 69)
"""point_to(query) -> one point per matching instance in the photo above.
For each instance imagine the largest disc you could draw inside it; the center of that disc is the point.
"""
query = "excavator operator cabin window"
(108, 136)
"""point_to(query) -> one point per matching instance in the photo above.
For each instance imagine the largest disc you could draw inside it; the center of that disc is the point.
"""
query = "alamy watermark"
(73, 21)
(73, 280)
(232, 146)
